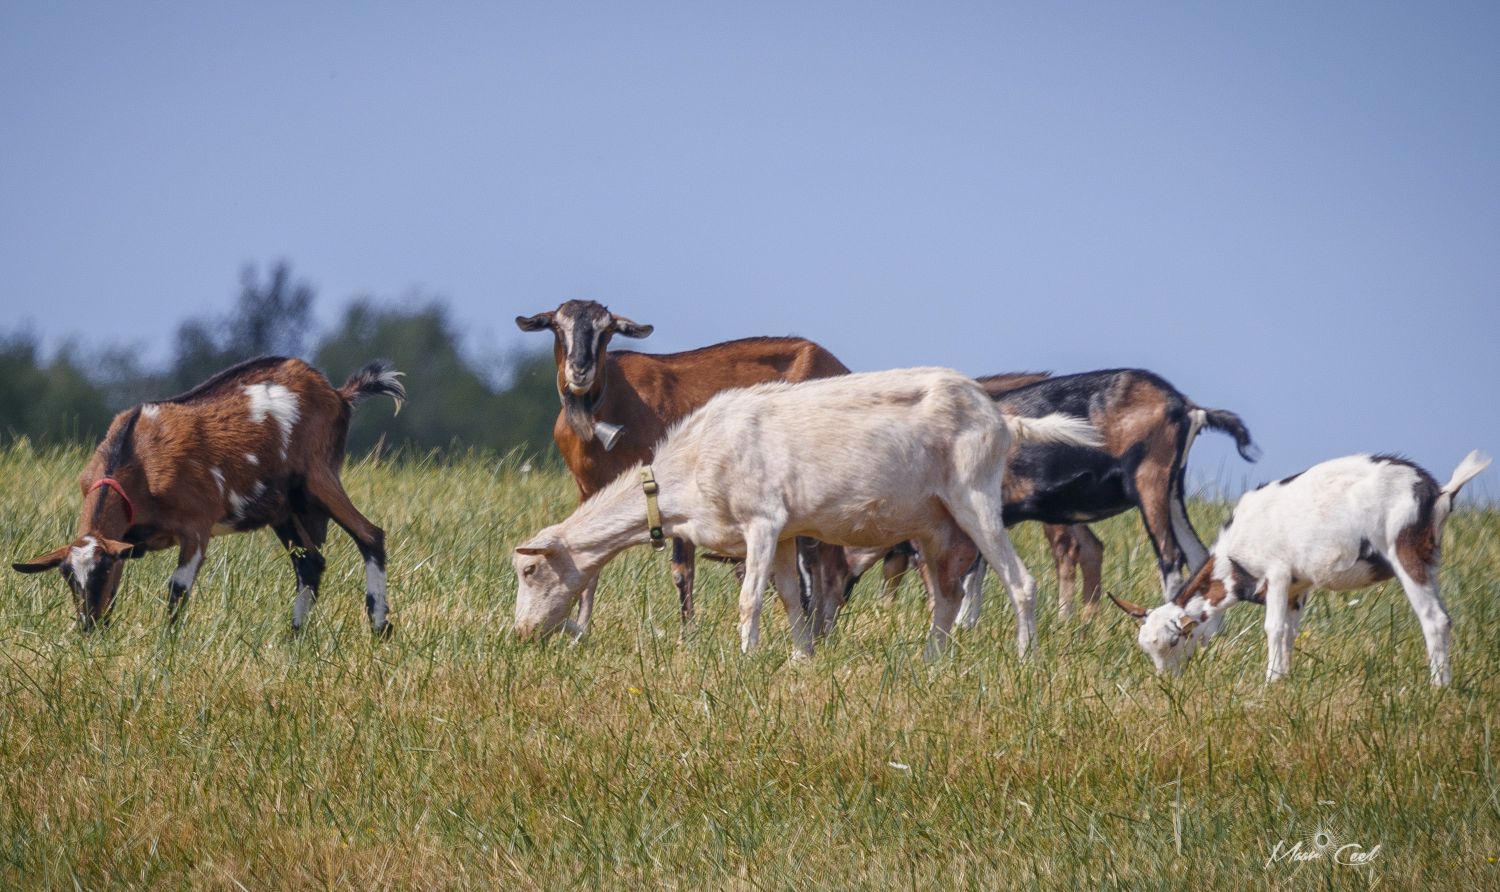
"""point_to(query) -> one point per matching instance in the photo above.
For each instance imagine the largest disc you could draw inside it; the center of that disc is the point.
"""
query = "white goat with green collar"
(860, 460)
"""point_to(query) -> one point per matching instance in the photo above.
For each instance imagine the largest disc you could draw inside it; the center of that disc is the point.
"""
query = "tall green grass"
(232, 754)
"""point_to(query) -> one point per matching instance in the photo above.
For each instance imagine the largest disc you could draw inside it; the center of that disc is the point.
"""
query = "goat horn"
(608, 434)
(1134, 610)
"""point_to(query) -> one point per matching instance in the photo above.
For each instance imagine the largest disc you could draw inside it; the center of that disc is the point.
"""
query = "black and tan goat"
(1148, 427)
(259, 444)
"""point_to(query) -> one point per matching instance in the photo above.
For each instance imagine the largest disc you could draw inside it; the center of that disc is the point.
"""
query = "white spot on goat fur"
(374, 578)
(184, 575)
(218, 478)
(804, 576)
(237, 502)
(375, 591)
(82, 559)
(278, 402)
(303, 604)
(151, 410)
(251, 458)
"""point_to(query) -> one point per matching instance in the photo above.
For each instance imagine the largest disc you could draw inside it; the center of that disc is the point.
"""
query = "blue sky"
(1289, 211)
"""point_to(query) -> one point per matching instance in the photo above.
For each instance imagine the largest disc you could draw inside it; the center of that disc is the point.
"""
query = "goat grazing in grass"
(1340, 525)
(616, 406)
(859, 460)
(1147, 427)
(259, 444)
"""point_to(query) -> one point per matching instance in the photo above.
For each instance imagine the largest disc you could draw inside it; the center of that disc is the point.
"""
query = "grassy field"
(232, 755)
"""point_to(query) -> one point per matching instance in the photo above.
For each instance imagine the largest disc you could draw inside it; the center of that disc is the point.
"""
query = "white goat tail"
(1068, 430)
(1467, 470)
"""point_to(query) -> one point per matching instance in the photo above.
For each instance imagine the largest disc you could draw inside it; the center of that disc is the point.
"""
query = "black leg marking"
(376, 607)
(303, 539)
(189, 559)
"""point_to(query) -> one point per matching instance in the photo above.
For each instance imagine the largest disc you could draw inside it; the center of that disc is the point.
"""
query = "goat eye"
(529, 571)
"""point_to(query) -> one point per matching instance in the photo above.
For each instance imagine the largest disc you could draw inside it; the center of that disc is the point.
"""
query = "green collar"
(653, 510)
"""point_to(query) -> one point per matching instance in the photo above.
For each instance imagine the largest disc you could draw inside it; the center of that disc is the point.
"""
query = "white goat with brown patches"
(1340, 525)
(859, 460)
(259, 444)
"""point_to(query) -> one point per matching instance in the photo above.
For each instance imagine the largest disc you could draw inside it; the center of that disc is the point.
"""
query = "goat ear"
(1134, 610)
(42, 562)
(535, 323)
(541, 547)
(117, 549)
(631, 329)
(1187, 623)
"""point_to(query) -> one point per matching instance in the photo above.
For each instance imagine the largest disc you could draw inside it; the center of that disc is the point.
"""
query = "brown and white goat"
(1340, 525)
(259, 444)
(617, 405)
(1147, 425)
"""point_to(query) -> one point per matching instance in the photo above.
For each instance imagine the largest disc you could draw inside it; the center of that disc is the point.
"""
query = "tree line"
(455, 401)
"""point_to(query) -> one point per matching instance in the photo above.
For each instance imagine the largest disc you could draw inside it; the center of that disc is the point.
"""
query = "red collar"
(114, 484)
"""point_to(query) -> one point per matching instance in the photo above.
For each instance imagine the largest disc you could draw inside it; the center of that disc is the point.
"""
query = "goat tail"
(1467, 469)
(1229, 423)
(1068, 430)
(375, 378)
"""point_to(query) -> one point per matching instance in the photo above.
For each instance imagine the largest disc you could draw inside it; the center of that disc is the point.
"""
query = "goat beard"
(579, 410)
